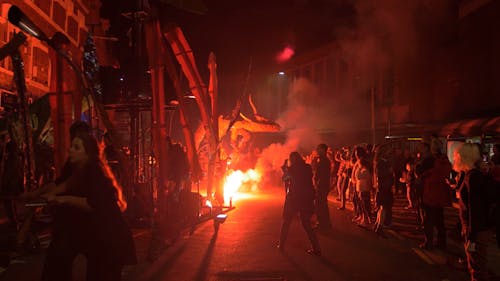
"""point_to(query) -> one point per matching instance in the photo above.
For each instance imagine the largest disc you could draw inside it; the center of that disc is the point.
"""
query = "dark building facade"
(410, 81)
(67, 17)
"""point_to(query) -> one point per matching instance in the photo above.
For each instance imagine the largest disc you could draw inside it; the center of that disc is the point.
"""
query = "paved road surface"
(244, 249)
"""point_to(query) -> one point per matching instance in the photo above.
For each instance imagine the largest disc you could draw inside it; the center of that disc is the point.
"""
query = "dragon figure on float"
(236, 131)
(220, 137)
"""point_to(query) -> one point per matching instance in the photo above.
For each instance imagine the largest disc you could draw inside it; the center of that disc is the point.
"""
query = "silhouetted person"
(474, 203)
(299, 199)
(88, 218)
(178, 167)
(436, 196)
(495, 158)
(384, 180)
(11, 178)
(321, 168)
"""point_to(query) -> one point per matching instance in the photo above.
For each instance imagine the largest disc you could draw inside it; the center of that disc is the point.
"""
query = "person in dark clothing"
(88, 206)
(495, 159)
(334, 168)
(11, 181)
(398, 166)
(474, 207)
(423, 162)
(321, 168)
(384, 180)
(494, 173)
(299, 199)
(178, 165)
(436, 195)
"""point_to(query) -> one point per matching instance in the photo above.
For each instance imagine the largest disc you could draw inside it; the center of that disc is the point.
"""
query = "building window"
(41, 63)
(26, 56)
(72, 28)
(3, 33)
(44, 5)
(4, 10)
(3, 39)
(59, 15)
(83, 33)
(8, 62)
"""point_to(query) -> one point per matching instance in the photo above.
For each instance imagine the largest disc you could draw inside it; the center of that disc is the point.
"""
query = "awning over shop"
(472, 127)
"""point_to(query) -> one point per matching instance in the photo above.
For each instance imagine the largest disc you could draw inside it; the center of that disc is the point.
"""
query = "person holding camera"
(299, 199)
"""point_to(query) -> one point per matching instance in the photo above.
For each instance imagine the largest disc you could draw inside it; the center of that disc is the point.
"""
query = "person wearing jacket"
(383, 182)
(436, 195)
(88, 205)
(321, 169)
(299, 199)
(473, 209)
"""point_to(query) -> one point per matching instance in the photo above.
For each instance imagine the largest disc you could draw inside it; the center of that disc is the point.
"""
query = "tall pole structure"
(213, 92)
(372, 111)
(157, 56)
(185, 57)
(60, 103)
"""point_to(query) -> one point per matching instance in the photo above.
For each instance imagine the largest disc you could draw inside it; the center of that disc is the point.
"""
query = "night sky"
(379, 34)
(242, 31)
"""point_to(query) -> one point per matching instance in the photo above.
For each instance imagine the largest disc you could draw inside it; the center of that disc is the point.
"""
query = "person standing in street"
(299, 199)
(473, 201)
(363, 180)
(436, 195)
(321, 169)
(342, 157)
(384, 199)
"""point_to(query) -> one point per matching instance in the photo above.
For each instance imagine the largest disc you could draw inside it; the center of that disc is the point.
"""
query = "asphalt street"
(244, 249)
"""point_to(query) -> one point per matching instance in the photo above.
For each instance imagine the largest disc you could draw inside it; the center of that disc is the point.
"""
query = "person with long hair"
(88, 206)
(299, 199)
(473, 209)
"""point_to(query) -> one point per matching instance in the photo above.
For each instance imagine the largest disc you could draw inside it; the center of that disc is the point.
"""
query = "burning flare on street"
(237, 180)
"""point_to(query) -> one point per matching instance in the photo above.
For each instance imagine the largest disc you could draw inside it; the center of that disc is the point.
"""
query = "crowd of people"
(371, 176)
(89, 221)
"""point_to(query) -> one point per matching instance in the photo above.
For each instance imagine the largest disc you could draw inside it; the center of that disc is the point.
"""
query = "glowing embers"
(239, 181)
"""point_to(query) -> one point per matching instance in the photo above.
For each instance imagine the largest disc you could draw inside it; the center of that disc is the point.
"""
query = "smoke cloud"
(306, 116)
(383, 35)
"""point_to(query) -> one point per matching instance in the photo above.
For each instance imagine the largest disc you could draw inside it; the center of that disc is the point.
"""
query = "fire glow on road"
(237, 180)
